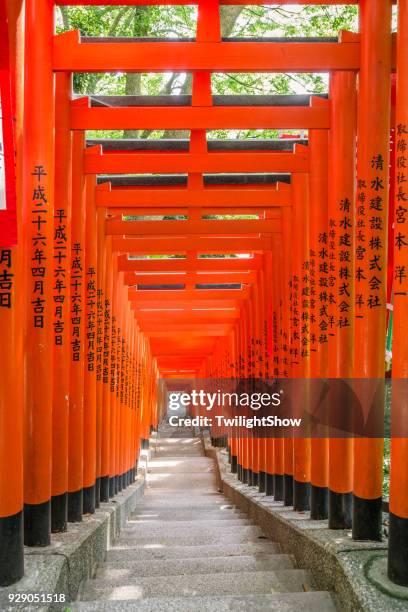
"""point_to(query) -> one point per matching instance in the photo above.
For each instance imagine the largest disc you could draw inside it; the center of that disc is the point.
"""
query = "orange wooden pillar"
(118, 287)
(342, 171)
(262, 361)
(90, 315)
(242, 459)
(11, 355)
(398, 530)
(289, 312)
(246, 442)
(301, 332)
(61, 307)
(234, 376)
(103, 392)
(277, 267)
(270, 313)
(38, 210)
(254, 375)
(77, 334)
(371, 261)
(321, 279)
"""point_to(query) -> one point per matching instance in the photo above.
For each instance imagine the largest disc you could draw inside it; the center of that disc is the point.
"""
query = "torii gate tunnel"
(92, 324)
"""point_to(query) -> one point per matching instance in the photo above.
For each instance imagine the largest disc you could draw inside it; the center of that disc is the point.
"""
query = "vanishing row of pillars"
(78, 392)
(325, 309)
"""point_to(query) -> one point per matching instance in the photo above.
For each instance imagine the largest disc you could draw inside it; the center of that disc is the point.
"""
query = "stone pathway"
(185, 548)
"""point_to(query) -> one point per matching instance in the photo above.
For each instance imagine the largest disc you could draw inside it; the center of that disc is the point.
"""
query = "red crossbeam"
(139, 163)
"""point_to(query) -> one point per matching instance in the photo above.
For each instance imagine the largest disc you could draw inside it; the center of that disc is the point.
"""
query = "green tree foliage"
(180, 22)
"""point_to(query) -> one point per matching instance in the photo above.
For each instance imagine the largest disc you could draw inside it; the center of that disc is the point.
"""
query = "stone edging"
(73, 555)
(338, 564)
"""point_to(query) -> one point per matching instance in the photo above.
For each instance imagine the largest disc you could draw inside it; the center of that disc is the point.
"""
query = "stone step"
(205, 529)
(170, 481)
(117, 567)
(169, 496)
(157, 504)
(186, 525)
(182, 467)
(239, 583)
(184, 506)
(130, 551)
(180, 514)
(191, 537)
(313, 601)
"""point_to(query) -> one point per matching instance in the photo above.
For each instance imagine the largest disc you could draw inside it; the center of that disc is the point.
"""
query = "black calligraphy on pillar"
(329, 272)
(107, 328)
(60, 274)
(6, 278)
(344, 264)
(323, 288)
(401, 209)
(76, 300)
(113, 354)
(294, 320)
(91, 298)
(39, 220)
(312, 300)
(361, 246)
(377, 227)
(100, 327)
(305, 304)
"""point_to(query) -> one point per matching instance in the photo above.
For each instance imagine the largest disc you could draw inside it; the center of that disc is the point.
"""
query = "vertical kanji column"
(301, 357)
(320, 296)
(90, 315)
(288, 311)
(342, 175)
(77, 333)
(371, 254)
(103, 358)
(38, 233)
(398, 530)
(61, 291)
(11, 354)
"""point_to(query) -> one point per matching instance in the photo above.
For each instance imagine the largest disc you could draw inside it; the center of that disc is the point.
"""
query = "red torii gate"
(83, 344)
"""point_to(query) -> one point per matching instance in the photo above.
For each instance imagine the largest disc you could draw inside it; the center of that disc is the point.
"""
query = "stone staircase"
(185, 548)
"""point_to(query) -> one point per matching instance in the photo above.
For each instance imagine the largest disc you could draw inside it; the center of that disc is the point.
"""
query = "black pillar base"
(59, 513)
(97, 493)
(367, 519)
(245, 475)
(262, 482)
(278, 486)
(234, 464)
(250, 476)
(229, 454)
(255, 479)
(239, 472)
(145, 443)
(75, 506)
(112, 486)
(89, 500)
(287, 490)
(104, 495)
(11, 549)
(398, 550)
(269, 490)
(340, 509)
(37, 524)
(319, 509)
(118, 483)
(301, 496)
